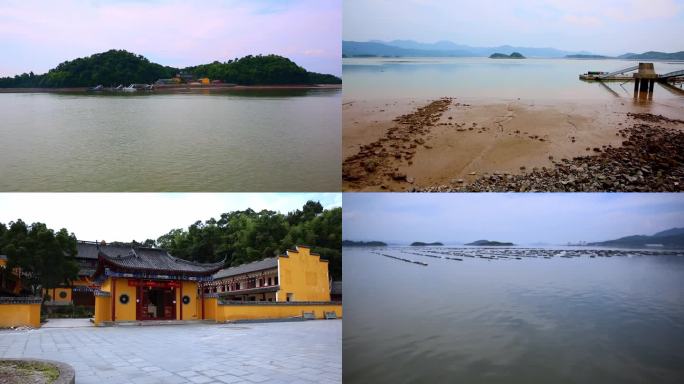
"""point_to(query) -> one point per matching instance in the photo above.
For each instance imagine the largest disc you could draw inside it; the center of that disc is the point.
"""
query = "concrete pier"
(644, 79)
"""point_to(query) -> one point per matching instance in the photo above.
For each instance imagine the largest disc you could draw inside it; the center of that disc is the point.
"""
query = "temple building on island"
(298, 275)
(138, 283)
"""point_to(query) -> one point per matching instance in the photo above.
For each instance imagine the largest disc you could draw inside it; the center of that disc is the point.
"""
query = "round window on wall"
(123, 299)
(186, 299)
(62, 295)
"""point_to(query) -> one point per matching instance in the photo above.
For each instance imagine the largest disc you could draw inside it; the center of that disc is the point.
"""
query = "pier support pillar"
(636, 85)
(644, 85)
(650, 86)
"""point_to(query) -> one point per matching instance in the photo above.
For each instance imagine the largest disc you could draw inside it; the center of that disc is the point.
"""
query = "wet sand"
(391, 145)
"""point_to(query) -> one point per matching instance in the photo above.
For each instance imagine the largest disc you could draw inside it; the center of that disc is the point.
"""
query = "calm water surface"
(529, 79)
(244, 141)
(613, 319)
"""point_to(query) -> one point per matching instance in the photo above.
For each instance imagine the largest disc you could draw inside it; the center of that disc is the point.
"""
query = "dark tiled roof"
(153, 259)
(269, 263)
(90, 250)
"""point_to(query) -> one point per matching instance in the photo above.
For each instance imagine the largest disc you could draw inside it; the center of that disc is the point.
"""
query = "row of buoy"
(402, 259)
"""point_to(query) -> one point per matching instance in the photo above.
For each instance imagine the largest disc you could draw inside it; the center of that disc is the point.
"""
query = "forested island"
(514, 55)
(421, 244)
(488, 243)
(587, 57)
(116, 67)
(351, 243)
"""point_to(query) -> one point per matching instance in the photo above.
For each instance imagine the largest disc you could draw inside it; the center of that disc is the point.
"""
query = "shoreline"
(176, 89)
(449, 145)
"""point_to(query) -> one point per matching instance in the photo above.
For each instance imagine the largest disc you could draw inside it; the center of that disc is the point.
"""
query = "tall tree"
(46, 258)
(245, 236)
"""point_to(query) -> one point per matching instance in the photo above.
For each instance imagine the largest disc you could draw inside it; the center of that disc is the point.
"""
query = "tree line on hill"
(116, 67)
(246, 236)
(260, 70)
(47, 257)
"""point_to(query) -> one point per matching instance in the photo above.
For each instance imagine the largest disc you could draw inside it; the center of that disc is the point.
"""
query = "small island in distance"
(421, 244)
(489, 243)
(352, 243)
(514, 55)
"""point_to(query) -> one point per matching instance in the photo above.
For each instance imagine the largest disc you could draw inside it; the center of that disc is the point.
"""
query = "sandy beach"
(454, 144)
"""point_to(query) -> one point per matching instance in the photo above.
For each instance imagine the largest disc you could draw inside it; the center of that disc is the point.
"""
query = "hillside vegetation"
(246, 236)
(116, 67)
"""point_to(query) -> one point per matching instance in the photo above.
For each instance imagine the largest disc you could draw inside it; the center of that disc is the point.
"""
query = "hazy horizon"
(141, 216)
(523, 219)
(610, 27)
(37, 36)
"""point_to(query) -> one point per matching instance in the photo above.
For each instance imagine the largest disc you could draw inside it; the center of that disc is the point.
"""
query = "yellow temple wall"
(124, 312)
(210, 308)
(228, 312)
(56, 292)
(191, 311)
(103, 309)
(303, 275)
(20, 315)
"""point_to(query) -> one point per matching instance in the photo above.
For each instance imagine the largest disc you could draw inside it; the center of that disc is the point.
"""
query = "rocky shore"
(651, 159)
(379, 160)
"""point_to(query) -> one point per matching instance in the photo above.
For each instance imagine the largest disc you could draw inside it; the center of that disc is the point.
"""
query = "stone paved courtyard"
(282, 352)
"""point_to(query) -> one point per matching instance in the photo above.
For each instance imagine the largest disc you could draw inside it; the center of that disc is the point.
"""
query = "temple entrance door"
(157, 304)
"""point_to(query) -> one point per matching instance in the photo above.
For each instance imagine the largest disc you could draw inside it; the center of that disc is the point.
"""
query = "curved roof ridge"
(196, 263)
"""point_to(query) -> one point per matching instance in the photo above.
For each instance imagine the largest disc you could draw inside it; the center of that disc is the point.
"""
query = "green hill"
(653, 55)
(421, 244)
(671, 238)
(489, 243)
(108, 68)
(256, 70)
(514, 55)
(121, 67)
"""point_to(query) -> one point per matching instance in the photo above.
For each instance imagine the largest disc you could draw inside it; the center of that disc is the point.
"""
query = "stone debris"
(376, 163)
(651, 159)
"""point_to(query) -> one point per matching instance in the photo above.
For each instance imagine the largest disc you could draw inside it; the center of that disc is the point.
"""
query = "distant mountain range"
(671, 238)
(653, 55)
(441, 49)
(410, 48)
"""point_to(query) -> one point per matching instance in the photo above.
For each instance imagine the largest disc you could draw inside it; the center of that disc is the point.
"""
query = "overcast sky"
(140, 216)
(37, 35)
(600, 26)
(522, 218)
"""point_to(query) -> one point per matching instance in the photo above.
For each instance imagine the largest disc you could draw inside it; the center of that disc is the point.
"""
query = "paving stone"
(296, 352)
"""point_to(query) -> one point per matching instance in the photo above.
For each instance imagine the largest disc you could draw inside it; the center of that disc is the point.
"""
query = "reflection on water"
(513, 316)
(530, 79)
(261, 140)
